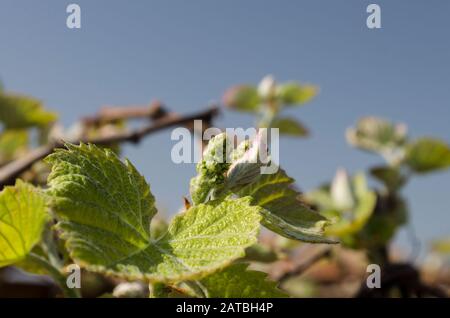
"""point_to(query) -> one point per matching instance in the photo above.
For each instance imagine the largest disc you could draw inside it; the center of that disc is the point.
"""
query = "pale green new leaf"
(294, 93)
(243, 98)
(427, 155)
(236, 281)
(18, 111)
(290, 127)
(105, 207)
(22, 218)
(282, 211)
(13, 143)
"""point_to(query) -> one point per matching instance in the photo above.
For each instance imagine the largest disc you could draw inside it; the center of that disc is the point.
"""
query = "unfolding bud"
(267, 87)
(341, 191)
(381, 136)
(211, 169)
(218, 151)
(240, 150)
(200, 187)
(247, 168)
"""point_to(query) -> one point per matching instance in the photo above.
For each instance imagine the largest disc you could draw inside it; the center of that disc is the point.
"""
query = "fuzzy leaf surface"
(236, 281)
(105, 207)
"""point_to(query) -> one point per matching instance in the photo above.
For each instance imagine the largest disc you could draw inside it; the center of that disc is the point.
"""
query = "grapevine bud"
(267, 87)
(211, 170)
(246, 169)
(341, 191)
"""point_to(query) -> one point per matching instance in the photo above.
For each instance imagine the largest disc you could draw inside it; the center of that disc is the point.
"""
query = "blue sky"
(186, 53)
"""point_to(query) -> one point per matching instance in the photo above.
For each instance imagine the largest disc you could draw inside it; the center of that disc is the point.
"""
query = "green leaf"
(18, 111)
(31, 267)
(22, 218)
(289, 126)
(243, 98)
(105, 207)
(390, 177)
(379, 135)
(295, 93)
(13, 143)
(283, 212)
(427, 155)
(260, 253)
(237, 282)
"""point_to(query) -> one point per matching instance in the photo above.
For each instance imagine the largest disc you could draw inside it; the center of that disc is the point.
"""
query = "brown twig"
(303, 266)
(11, 171)
(108, 114)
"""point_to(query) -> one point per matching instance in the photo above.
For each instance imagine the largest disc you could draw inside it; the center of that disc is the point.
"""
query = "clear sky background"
(186, 53)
